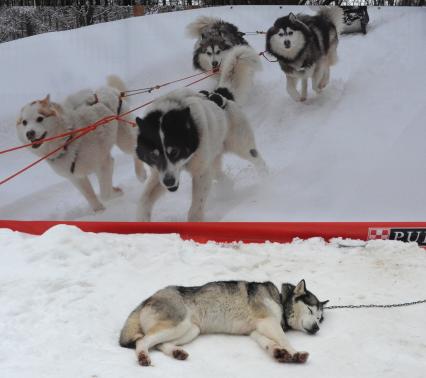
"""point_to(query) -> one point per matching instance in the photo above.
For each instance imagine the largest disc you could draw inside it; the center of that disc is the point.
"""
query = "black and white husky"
(189, 130)
(176, 315)
(305, 47)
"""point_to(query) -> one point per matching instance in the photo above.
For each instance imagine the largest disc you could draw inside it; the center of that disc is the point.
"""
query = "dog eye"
(209, 54)
(39, 119)
(173, 152)
(310, 310)
(290, 33)
(281, 34)
(154, 154)
(24, 122)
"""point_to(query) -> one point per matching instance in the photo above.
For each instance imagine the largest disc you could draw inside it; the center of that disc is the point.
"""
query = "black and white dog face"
(287, 37)
(167, 141)
(302, 309)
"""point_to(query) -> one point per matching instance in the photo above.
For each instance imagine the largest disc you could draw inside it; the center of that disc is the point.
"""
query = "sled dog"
(189, 130)
(176, 315)
(216, 41)
(91, 153)
(305, 47)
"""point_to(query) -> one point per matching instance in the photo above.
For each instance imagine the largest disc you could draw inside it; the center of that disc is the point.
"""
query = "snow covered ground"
(355, 152)
(65, 295)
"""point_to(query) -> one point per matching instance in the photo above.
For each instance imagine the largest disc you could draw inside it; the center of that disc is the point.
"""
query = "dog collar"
(63, 152)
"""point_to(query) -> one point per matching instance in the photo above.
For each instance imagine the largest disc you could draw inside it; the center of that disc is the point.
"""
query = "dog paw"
(180, 354)
(302, 99)
(98, 207)
(117, 192)
(300, 357)
(281, 355)
(144, 359)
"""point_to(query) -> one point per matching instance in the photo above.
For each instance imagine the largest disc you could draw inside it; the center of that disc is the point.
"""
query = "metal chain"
(377, 305)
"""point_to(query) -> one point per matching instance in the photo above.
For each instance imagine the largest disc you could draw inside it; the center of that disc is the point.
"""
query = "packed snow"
(353, 153)
(65, 295)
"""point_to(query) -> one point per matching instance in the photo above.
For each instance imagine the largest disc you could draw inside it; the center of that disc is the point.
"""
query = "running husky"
(91, 153)
(218, 42)
(305, 47)
(189, 130)
(215, 38)
(176, 315)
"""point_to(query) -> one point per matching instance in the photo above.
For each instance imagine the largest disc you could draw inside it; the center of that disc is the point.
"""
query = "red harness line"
(85, 130)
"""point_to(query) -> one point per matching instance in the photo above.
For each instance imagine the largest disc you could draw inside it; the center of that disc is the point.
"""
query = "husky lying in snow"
(176, 315)
(189, 130)
(216, 39)
(305, 47)
(91, 153)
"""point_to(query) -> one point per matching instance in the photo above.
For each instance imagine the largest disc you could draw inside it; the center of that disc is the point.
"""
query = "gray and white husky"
(176, 315)
(215, 38)
(305, 47)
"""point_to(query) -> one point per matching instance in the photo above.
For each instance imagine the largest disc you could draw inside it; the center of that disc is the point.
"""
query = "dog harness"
(217, 98)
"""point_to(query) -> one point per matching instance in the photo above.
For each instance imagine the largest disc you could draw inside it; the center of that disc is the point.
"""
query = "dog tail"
(195, 28)
(335, 15)
(116, 82)
(131, 331)
(236, 71)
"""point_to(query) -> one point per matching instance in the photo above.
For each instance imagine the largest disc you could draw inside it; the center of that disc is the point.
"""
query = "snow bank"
(64, 296)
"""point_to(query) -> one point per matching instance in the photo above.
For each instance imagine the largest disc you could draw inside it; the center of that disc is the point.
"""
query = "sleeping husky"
(305, 47)
(92, 152)
(189, 130)
(176, 315)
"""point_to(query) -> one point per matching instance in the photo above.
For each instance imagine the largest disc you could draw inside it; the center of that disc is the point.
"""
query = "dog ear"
(300, 288)
(45, 101)
(139, 122)
(292, 17)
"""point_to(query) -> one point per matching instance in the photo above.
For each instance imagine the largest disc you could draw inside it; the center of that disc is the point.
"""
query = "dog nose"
(30, 134)
(314, 329)
(169, 180)
(287, 43)
(215, 64)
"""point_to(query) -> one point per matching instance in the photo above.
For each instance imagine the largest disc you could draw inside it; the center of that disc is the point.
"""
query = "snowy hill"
(356, 152)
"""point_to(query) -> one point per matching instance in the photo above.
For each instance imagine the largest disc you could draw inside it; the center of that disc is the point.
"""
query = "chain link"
(376, 305)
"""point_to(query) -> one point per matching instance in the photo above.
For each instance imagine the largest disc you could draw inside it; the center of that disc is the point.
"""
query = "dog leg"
(153, 190)
(292, 88)
(159, 334)
(104, 175)
(304, 90)
(271, 329)
(172, 349)
(85, 188)
(201, 184)
(139, 169)
(241, 142)
(271, 347)
(319, 72)
(325, 78)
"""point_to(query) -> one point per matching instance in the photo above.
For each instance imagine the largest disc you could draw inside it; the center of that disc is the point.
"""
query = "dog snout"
(30, 134)
(314, 329)
(215, 63)
(287, 44)
(169, 180)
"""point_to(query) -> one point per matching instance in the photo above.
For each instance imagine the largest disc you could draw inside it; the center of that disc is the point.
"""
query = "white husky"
(91, 153)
